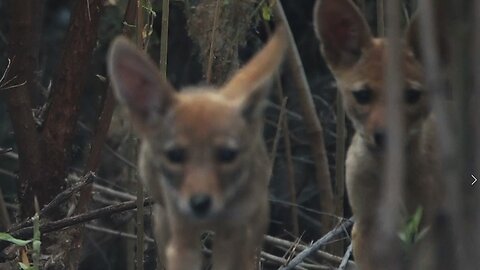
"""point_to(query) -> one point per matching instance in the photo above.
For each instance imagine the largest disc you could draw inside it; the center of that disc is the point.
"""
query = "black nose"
(200, 204)
(379, 138)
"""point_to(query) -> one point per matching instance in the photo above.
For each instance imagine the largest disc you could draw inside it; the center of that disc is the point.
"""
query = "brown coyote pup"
(358, 63)
(202, 155)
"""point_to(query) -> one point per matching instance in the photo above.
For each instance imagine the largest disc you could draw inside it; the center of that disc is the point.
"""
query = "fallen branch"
(344, 263)
(322, 254)
(27, 232)
(60, 198)
(318, 244)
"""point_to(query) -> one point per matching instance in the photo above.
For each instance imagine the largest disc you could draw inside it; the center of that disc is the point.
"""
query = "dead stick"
(60, 198)
(318, 244)
(287, 244)
(27, 232)
(344, 263)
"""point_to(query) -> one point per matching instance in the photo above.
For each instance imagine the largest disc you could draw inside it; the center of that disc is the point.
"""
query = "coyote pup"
(202, 155)
(358, 62)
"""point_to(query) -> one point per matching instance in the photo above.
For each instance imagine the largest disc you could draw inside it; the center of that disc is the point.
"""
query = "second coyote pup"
(358, 63)
(202, 156)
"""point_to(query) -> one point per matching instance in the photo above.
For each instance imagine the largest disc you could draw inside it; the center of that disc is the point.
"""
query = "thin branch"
(27, 232)
(276, 139)
(164, 37)
(4, 216)
(340, 165)
(381, 18)
(59, 199)
(212, 42)
(322, 254)
(116, 233)
(344, 263)
(115, 193)
(387, 250)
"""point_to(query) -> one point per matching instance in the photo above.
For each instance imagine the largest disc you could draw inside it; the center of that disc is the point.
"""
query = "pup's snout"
(200, 204)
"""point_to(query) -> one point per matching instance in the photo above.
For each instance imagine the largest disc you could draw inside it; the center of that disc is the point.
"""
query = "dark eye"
(363, 96)
(412, 96)
(226, 155)
(176, 155)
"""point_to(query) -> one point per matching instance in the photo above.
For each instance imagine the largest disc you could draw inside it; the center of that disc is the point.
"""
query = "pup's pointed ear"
(342, 30)
(249, 85)
(138, 85)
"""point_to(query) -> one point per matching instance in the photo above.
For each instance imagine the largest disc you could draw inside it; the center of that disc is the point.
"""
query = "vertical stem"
(445, 256)
(212, 43)
(133, 147)
(380, 18)
(388, 219)
(340, 161)
(164, 37)
(139, 24)
(474, 116)
(4, 216)
(140, 223)
(290, 168)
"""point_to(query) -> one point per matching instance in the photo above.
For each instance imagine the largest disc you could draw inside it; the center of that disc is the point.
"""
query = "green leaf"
(410, 232)
(11, 239)
(266, 12)
(24, 266)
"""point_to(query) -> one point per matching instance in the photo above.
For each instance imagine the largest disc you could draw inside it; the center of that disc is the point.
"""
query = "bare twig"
(59, 199)
(276, 139)
(27, 232)
(287, 244)
(317, 245)
(447, 176)
(339, 167)
(344, 263)
(4, 216)
(112, 192)
(164, 37)
(278, 260)
(212, 42)
(380, 18)
(116, 233)
(290, 168)
(387, 250)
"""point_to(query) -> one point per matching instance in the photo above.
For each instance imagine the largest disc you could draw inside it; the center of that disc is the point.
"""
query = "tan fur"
(358, 61)
(188, 140)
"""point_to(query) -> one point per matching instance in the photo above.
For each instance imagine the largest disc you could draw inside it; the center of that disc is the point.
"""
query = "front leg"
(230, 250)
(238, 247)
(183, 250)
(162, 233)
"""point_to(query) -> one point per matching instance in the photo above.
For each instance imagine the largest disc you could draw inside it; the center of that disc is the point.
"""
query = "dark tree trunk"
(23, 54)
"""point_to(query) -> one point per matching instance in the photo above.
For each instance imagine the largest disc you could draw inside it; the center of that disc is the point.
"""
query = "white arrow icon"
(473, 183)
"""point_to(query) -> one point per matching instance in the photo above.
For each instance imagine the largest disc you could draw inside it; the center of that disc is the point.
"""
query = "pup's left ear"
(249, 86)
(138, 85)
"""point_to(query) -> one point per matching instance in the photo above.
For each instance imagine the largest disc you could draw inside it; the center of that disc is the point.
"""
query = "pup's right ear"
(342, 30)
(138, 85)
